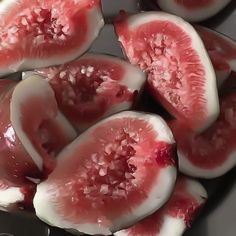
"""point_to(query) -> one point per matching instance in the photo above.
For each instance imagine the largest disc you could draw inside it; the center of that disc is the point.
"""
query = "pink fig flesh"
(178, 213)
(222, 51)
(94, 86)
(126, 162)
(193, 10)
(36, 34)
(24, 162)
(180, 73)
(212, 153)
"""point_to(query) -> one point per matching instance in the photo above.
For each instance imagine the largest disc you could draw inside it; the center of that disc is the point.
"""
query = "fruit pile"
(77, 145)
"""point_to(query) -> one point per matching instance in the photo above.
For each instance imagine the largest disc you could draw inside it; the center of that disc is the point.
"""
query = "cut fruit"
(180, 73)
(178, 214)
(125, 163)
(193, 10)
(5, 84)
(94, 86)
(222, 51)
(19, 107)
(213, 153)
(15, 163)
(41, 33)
(41, 128)
(222, 68)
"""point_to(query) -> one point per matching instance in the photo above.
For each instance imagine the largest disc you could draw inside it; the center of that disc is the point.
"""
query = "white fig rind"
(95, 24)
(211, 92)
(157, 197)
(173, 226)
(190, 169)
(134, 79)
(194, 15)
(31, 87)
(230, 41)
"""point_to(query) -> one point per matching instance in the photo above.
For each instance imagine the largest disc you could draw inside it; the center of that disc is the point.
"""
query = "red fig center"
(83, 90)
(39, 24)
(111, 171)
(115, 164)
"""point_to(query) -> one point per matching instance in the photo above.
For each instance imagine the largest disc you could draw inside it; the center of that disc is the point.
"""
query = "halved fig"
(193, 10)
(212, 153)
(180, 73)
(222, 51)
(116, 173)
(41, 33)
(94, 86)
(15, 164)
(5, 84)
(39, 125)
(24, 104)
(176, 216)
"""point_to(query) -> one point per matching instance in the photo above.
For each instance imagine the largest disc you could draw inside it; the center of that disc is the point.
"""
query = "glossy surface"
(217, 219)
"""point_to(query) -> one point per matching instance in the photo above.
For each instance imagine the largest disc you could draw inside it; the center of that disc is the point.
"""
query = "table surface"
(219, 218)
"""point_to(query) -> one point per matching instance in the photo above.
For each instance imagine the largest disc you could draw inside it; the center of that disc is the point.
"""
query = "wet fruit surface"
(176, 215)
(50, 28)
(15, 163)
(82, 87)
(11, 224)
(211, 153)
(178, 68)
(222, 49)
(20, 170)
(44, 135)
(121, 162)
(193, 10)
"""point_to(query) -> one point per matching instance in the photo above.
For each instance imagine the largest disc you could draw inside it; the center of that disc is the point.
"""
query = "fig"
(193, 10)
(21, 167)
(177, 214)
(125, 163)
(222, 51)
(15, 163)
(36, 33)
(94, 86)
(39, 125)
(180, 74)
(212, 153)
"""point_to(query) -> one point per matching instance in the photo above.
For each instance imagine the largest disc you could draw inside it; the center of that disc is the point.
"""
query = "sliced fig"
(41, 33)
(94, 86)
(15, 163)
(125, 163)
(193, 10)
(41, 128)
(212, 153)
(222, 51)
(180, 73)
(178, 214)
(19, 171)
(4, 85)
